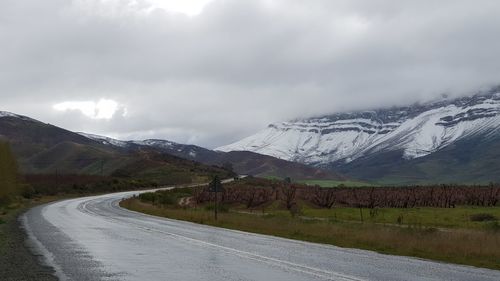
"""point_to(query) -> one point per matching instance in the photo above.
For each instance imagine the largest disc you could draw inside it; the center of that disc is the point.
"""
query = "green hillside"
(46, 149)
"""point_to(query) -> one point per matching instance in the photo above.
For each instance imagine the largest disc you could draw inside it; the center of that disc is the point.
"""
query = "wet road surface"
(93, 238)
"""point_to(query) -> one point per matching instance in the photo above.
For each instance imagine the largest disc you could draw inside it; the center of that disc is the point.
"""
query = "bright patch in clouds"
(103, 109)
(188, 7)
(123, 8)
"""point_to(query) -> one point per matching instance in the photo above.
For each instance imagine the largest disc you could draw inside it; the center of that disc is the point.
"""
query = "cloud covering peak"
(233, 66)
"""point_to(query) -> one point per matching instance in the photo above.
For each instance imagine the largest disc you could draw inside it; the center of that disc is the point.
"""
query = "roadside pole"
(215, 207)
(216, 187)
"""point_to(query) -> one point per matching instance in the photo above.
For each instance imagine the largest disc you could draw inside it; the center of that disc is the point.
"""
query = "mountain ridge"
(343, 141)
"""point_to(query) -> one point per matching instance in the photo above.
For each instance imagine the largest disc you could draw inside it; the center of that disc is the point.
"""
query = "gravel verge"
(17, 261)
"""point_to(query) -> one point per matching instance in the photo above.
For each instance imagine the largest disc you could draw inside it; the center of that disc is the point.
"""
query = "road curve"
(93, 238)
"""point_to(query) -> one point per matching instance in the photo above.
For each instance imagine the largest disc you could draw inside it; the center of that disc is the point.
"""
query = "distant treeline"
(81, 184)
(255, 192)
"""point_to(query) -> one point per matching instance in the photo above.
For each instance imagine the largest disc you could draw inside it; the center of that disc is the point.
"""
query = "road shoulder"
(17, 261)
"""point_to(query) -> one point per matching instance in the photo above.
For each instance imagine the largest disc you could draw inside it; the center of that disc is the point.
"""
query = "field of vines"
(255, 192)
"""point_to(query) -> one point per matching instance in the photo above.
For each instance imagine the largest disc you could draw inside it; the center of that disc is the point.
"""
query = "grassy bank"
(463, 246)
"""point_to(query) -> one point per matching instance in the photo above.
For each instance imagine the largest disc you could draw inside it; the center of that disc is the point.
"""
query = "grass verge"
(462, 246)
(459, 217)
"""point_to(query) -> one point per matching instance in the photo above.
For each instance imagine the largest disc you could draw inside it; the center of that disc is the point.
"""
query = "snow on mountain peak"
(7, 114)
(157, 143)
(10, 114)
(104, 140)
(417, 130)
(164, 144)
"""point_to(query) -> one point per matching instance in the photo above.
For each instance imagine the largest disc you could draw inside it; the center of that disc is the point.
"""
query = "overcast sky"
(211, 72)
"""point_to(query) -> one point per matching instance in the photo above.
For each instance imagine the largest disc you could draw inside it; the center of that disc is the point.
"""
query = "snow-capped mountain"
(415, 131)
(181, 150)
(172, 147)
(104, 140)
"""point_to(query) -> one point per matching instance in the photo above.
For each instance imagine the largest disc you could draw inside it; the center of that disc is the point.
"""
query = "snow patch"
(104, 140)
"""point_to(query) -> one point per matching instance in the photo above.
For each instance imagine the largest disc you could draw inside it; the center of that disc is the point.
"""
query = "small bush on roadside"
(295, 210)
(167, 199)
(399, 220)
(147, 197)
(28, 191)
(5, 201)
(483, 217)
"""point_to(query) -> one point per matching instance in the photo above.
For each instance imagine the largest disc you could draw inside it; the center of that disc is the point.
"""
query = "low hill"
(44, 148)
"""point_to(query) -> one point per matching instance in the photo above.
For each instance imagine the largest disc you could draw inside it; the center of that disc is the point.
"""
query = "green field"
(327, 183)
(459, 217)
(335, 183)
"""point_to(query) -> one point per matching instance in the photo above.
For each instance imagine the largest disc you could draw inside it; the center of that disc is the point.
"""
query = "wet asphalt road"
(92, 238)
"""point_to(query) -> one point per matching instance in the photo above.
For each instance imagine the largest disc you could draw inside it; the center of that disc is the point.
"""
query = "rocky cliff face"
(410, 132)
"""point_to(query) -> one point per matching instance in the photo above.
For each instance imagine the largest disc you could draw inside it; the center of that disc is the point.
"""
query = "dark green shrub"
(167, 199)
(483, 217)
(147, 197)
(399, 220)
(28, 191)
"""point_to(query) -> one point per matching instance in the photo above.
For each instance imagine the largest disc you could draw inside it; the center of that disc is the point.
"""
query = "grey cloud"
(240, 64)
